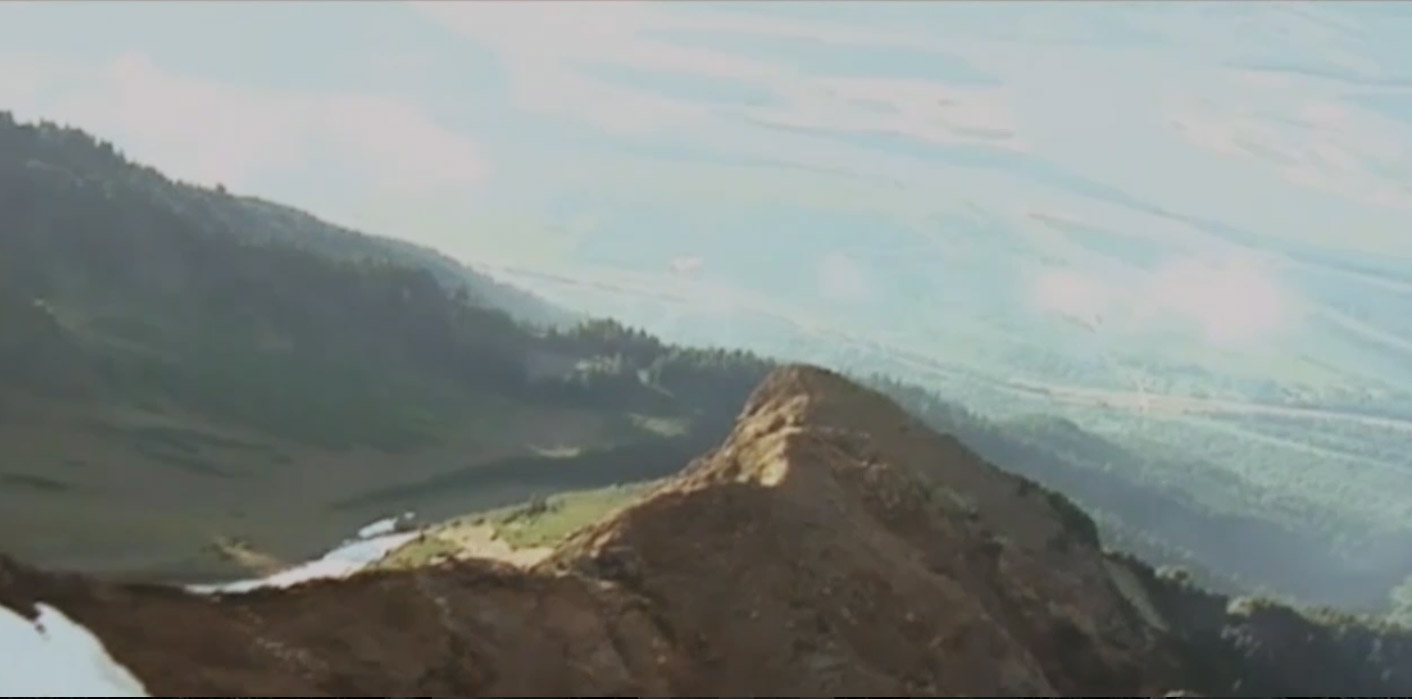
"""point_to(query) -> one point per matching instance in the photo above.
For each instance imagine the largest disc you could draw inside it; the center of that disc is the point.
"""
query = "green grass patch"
(547, 521)
(541, 522)
(417, 554)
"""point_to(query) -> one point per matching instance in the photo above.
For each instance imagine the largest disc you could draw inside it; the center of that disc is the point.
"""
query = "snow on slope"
(373, 542)
(386, 526)
(54, 657)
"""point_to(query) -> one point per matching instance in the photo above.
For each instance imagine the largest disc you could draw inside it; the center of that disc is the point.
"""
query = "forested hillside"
(197, 357)
(125, 286)
(180, 366)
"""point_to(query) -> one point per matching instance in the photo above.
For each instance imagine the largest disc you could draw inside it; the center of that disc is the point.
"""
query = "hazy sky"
(1232, 169)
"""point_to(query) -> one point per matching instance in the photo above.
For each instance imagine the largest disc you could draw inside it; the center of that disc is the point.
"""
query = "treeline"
(630, 368)
(119, 284)
(1142, 504)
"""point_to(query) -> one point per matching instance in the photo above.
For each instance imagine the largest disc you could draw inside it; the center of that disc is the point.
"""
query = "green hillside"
(178, 364)
(181, 366)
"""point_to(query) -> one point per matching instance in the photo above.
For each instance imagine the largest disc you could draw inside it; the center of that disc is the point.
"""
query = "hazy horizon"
(1220, 183)
(1149, 254)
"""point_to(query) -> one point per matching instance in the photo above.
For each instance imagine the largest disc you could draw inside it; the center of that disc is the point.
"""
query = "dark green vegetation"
(1246, 646)
(179, 364)
(1179, 509)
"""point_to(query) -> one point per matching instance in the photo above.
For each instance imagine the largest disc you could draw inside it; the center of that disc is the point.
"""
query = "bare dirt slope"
(832, 545)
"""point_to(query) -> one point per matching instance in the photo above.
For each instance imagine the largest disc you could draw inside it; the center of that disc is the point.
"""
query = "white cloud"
(1096, 117)
(1232, 302)
(840, 278)
(1228, 302)
(1073, 295)
(686, 265)
(537, 42)
(616, 34)
(925, 110)
(405, 147)
(24, 75)
(546, 46)
(210, 132)
(1303, 136)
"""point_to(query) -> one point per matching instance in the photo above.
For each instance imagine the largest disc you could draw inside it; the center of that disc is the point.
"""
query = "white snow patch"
(386, 526)
(54, 657)
(341, 562)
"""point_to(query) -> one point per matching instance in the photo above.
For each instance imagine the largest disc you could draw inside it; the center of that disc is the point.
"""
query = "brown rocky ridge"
(832, 545)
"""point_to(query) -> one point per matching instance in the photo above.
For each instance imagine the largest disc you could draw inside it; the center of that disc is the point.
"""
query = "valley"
(187, 366)
(830, 544)
(694, 349)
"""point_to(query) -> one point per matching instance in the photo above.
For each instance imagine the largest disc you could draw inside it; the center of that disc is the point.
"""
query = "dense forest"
(160, 332)
(122, 285)
(126, 298)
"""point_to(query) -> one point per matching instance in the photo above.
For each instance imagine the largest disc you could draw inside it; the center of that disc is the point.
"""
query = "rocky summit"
(831, 545)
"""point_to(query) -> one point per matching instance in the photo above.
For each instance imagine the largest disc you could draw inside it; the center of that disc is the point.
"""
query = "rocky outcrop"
(831, 545)
(476, 628)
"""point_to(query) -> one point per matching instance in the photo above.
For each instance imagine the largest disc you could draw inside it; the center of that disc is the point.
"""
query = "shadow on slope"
(515, 479)
(830, 546)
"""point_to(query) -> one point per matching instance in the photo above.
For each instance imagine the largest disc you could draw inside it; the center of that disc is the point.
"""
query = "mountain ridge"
(181, 366)
(831, 622)
(831, 545)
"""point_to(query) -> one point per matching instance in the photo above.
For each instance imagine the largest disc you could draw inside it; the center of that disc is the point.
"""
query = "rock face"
(835, 546)
(831, 546)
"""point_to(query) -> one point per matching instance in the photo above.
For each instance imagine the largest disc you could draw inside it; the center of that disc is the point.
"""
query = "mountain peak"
(830, 545)
(830, 530)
